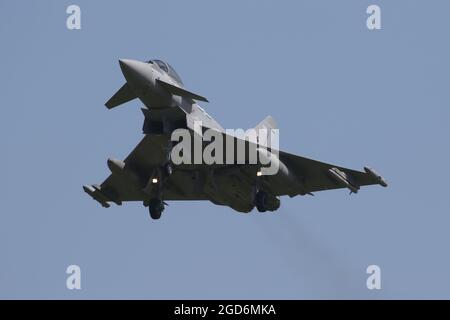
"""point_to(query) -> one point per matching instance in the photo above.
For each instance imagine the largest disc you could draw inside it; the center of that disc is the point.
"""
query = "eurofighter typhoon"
(186, 155)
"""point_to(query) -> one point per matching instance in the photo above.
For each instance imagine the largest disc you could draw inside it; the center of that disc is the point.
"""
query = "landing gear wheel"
(261, 201)
(155, 208)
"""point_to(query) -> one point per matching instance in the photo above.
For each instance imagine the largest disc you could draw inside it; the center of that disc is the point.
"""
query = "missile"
(343, 179)
(95, 192)
(381, 181)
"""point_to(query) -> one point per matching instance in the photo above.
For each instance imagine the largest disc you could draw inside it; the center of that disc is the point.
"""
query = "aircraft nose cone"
(126, 64)
(134, 71)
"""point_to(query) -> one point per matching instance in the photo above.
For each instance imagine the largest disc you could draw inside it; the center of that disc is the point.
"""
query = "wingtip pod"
(381, 181)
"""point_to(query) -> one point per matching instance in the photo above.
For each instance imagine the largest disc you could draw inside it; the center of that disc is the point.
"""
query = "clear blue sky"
(340, 93)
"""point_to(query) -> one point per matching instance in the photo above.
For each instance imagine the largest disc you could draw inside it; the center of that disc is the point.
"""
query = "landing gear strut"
(168, 166)
(155, 208)
(266, 202)
(168, 169)
(156, 185)
(261, 201)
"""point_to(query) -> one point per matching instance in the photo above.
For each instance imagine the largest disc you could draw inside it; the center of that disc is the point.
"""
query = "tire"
(155, 208)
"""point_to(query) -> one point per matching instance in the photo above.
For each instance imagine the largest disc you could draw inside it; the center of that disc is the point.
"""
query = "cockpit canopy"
(167, 68)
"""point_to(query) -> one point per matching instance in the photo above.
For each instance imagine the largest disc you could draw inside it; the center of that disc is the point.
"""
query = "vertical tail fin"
(264, 132)
(268, 123)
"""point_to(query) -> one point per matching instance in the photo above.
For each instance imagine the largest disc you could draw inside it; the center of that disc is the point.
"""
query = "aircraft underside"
(152, 175)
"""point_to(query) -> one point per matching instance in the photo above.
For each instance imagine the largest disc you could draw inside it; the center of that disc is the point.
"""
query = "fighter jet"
(149, 174)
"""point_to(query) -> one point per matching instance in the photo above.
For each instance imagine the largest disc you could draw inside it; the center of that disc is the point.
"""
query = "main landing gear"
(266, 202)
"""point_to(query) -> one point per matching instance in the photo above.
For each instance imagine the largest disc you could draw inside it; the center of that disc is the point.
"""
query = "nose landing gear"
(155, 189)
(155, 208)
